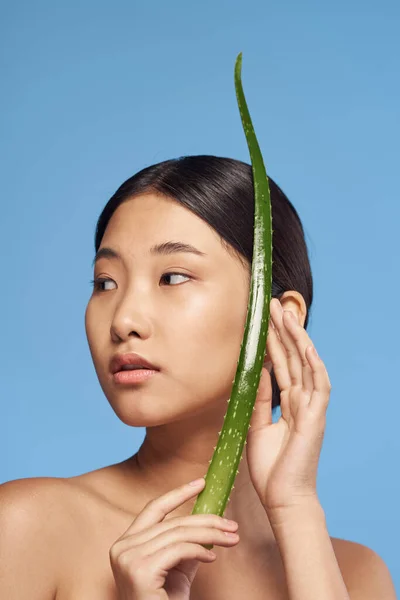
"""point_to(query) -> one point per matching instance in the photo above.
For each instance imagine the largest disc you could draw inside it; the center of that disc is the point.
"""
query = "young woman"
(172, 276)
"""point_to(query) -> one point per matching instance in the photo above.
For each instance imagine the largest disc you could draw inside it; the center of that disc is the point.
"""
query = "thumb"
(262, 411)
(181, 578)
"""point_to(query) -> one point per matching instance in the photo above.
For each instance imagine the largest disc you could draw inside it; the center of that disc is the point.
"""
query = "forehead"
(143, 220)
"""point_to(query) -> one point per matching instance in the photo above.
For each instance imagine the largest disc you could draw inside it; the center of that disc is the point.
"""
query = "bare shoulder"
(22, 501)
(43, 507)
(49, 528)
(25, 501)
(31, 529)
(55, 507)
(364, 571)
(30, 487)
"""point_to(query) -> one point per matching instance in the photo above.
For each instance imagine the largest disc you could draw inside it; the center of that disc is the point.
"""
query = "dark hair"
(221, 192)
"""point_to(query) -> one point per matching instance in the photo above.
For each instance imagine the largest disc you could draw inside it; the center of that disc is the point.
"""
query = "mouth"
(130, 362)
(133, 376)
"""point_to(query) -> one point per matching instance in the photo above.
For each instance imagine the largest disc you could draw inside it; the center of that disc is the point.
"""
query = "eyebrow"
(164, 249)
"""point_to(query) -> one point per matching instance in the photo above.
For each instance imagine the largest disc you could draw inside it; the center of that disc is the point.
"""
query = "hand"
(283, 456)
(158, 559)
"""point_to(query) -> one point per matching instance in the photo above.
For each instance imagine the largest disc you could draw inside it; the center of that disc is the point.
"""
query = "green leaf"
(228, 452)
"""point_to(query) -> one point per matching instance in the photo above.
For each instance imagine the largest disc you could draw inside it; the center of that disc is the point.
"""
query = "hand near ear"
(283, 457)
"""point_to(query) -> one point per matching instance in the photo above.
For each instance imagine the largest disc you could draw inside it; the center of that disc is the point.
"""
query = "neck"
(173, 454)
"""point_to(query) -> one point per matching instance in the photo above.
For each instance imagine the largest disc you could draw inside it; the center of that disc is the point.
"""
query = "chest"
(253, 578)
(88, 576)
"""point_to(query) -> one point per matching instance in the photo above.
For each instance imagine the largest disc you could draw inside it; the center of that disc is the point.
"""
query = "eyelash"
(96, 282)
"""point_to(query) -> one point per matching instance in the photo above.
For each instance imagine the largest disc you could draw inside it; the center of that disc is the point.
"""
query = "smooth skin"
(190, 324)
(158, 559)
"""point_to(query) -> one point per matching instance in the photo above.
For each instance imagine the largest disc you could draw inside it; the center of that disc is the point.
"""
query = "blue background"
(95, 91)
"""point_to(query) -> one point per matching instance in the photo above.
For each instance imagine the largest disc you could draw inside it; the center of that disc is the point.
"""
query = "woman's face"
(190, 324)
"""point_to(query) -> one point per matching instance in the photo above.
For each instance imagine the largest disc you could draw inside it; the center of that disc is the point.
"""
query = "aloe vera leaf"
(224, 464)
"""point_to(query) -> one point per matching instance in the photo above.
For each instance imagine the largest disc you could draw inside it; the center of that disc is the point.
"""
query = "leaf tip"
(239, 62)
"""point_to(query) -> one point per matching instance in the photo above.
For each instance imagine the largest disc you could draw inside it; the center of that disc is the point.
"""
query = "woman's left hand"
(283, 456)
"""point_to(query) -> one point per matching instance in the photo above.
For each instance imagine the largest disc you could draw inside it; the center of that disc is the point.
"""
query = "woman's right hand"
(158, 560)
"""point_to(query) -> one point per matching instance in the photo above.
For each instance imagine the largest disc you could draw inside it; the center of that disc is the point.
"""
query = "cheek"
(228, 333)
(231, 339)
(88, 327)
(210, 339)
(95, 338)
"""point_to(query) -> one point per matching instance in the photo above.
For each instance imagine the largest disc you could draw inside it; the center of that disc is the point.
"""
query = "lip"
(133, 377)
(130, 358)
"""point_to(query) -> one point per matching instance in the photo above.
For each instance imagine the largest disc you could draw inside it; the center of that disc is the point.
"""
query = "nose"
(131, 317)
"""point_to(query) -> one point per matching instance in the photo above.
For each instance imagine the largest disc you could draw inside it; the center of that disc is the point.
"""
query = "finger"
(161, 562)
(292, 359)
(301, 341)
(198, 535)
(322, 386)
(281, 371)
(276, 311)
(262, 411)
(168, 558)
(157, 509)
(198, 520)
(278, 355)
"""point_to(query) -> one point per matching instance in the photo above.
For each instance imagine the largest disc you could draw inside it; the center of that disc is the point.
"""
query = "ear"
(294, 301)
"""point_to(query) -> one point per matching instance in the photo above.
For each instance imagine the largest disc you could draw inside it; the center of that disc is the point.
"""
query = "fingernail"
(197, 482)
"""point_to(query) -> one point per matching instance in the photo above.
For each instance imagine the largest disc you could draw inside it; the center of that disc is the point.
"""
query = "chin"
(147, 410)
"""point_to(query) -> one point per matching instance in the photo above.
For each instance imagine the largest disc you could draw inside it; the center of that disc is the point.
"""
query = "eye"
(177, 274)
(96, 283)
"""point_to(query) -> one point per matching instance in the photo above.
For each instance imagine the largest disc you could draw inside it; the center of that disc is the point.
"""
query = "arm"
(310, 564)
(27, 557)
